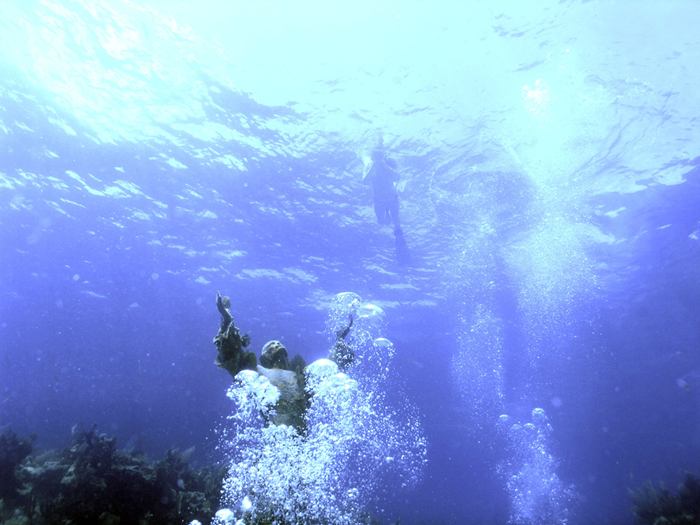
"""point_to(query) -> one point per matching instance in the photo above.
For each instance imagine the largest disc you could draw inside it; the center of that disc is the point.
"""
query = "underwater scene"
(370, 262)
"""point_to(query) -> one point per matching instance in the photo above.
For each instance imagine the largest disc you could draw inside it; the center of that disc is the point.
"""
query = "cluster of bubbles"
(353, 445)
(477, 368)
(373, 354)
(538, 496)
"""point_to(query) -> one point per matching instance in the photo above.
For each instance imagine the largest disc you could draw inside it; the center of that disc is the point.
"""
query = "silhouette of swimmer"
(383, 176)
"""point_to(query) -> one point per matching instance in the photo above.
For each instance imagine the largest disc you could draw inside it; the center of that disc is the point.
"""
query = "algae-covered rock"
(12, 517)
(93, 482)
(659, 506)
(13, 451)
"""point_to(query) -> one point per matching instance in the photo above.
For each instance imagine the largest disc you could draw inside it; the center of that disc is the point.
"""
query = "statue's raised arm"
(231, 345)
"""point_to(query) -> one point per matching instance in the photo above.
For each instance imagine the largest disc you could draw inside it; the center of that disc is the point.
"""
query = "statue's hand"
(223, 303)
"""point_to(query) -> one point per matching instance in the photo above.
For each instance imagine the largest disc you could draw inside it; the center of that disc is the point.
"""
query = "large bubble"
(540, 419)
(373, 361)
(381, 355)
(368, 320)
(319, 371)
(371, 318)
(253, 394)
(342, 307)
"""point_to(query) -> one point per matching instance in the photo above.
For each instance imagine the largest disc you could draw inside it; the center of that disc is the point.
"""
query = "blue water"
(549, 170)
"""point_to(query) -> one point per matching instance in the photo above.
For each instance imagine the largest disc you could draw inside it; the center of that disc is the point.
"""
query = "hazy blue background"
(152, 153)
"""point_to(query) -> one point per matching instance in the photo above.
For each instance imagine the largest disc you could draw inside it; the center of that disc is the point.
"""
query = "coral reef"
(93, 482)
(658, 506)
(13, 451)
